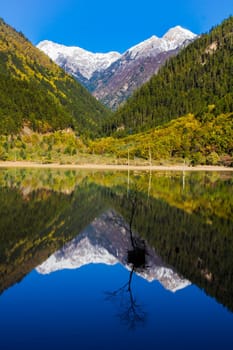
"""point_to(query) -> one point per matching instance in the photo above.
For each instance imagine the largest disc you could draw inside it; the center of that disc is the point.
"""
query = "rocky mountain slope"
(113, 77)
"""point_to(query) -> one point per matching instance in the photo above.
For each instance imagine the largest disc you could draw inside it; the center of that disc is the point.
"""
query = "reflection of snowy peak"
(107, 240)
(76, 254)
(166, 276)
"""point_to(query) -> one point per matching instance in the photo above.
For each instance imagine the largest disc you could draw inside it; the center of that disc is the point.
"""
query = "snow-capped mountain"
(107, 240)
(137, 65)
(177, 36)
(173, 39)
(112, 77)
(75, 59)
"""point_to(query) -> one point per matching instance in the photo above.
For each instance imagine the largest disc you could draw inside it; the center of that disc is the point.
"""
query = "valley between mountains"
(164, 101)
(113, 77)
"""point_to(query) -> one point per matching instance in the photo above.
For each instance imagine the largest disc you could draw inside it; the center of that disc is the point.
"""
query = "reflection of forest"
(35, 225)
(201, 251)
(190, 228)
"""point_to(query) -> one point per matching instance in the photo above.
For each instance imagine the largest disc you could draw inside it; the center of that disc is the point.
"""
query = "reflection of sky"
(68, 310)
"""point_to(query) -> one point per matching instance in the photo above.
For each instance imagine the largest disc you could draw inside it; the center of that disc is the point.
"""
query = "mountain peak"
(173, 39)
(112, 77)
(179, 29)
(177, 35)
(146, 47)
(75, 58)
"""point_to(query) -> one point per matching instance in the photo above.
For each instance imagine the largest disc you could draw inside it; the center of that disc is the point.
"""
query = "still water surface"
(115, 261)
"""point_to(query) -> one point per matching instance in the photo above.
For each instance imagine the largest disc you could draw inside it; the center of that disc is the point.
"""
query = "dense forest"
(36, 92)
(200, 75)
(202, 139)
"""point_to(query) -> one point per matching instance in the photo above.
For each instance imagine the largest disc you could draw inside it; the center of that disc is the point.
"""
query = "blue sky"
(104, 25)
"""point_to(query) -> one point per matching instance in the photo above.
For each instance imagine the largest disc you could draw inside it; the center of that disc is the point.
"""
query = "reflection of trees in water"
(131, 313)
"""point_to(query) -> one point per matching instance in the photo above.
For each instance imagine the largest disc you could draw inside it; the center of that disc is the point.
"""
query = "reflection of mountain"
(188, 224)
(107, 240)
(34, 226)
(201, 250)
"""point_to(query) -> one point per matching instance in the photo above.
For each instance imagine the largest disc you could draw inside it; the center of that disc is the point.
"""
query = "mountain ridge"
(98, 61)
(118, 75)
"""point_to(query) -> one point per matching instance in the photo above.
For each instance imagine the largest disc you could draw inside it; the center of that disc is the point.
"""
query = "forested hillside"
(36, 92)
(201, 75)
(201, 139)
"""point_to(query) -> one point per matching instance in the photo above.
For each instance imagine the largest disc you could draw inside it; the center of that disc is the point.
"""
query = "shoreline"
(23, 164)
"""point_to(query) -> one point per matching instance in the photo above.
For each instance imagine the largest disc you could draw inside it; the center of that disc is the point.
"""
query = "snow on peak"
(78, 59)
(177, 36)
(174, 38)
(145, 47)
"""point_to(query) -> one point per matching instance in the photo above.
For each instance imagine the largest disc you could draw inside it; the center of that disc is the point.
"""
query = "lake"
(116, 260)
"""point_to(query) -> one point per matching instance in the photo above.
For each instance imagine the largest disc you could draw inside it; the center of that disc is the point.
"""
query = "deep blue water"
(69, 310)
(170, 222)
